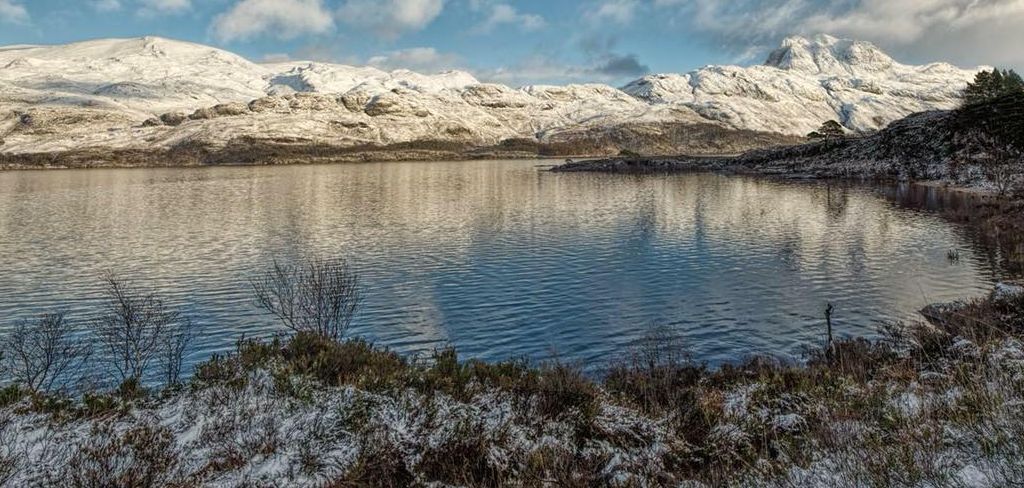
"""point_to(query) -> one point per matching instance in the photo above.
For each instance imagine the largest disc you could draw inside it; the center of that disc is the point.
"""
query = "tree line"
(990, 85)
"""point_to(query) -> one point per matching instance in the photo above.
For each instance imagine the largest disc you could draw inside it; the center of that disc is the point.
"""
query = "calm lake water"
(500, 259)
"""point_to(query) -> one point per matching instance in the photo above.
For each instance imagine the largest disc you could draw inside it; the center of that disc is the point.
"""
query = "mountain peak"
(827, 54)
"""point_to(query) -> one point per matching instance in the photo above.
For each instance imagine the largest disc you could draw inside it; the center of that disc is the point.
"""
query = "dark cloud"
(622, 65)
(601, 49)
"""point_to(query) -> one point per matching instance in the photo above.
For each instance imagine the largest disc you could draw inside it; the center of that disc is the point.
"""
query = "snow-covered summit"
(827, 54)
(148, 74)
(100, 93)
(808, 81)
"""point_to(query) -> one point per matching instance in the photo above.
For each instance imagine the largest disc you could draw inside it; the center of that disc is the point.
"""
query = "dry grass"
(911, 410)
(928, 404)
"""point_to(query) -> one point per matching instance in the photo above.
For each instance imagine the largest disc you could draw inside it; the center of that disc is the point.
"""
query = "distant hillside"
(929, 145)
(157, 101)
(809, 81)
(953, 145)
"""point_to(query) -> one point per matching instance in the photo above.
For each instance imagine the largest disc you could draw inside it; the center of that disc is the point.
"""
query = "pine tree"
(1012, 81)
(996, 80)
(989, 85)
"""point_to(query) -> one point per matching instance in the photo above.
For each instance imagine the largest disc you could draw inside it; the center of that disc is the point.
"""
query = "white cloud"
(12, 12)
(532, 70)
(970, 32)
(285, 19)
(421, 59)
(620, 12)
(106, 5)
(160, 7)
(909, 21)
(535, 69)
(390, 18)
(504, 14)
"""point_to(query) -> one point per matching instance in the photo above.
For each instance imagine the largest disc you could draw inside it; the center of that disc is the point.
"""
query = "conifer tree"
(989, 85)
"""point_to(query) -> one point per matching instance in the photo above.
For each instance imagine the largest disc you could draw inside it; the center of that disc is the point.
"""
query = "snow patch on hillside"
(109, 94)
(808, 81)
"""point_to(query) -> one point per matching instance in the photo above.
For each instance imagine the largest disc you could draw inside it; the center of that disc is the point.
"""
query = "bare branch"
(318, 295)
(137, 328)
(45, 355)
(175, 344)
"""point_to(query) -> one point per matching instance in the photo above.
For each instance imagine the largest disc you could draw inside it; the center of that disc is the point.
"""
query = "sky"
(535, 41)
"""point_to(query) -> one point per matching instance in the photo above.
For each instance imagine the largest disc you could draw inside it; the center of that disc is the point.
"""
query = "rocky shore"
(263, 150)
(928, 146)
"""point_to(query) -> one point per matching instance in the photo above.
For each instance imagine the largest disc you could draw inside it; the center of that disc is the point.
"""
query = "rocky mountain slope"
(916, 147)
(158, 101)
(979, 145)
(806, 82)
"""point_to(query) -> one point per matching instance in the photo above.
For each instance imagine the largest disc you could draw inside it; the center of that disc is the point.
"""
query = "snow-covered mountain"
(808, 81)
(153, 93)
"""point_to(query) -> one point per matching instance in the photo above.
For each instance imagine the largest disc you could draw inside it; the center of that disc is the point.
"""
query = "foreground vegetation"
(937, 403)
(929, 404)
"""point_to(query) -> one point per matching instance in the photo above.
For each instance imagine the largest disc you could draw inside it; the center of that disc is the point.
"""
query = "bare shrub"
(41, 354)
(318, 295)
(137, 329)
(172, 352)
(657, 373)
(562, 389)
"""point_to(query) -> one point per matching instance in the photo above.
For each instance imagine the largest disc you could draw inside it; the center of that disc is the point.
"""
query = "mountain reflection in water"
(500, 259)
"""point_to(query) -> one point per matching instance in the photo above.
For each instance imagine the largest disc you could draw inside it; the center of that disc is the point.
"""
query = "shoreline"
(151, 159)
(309, 410)
(250, 150)
(928, 400)
(736, 165)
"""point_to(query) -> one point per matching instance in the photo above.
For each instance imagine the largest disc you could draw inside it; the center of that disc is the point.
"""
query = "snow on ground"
(808, 81)
(291, 432)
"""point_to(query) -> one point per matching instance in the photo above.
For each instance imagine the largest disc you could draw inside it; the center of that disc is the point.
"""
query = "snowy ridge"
(808, 81)
(150, 92)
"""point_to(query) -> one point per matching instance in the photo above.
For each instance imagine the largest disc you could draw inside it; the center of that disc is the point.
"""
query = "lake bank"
(254, 150)
(932, 403)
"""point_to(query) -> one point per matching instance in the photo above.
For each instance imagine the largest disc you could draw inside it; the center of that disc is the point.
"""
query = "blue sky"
(532, 41)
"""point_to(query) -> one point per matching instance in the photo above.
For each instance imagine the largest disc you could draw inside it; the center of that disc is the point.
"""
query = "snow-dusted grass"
(936, 404)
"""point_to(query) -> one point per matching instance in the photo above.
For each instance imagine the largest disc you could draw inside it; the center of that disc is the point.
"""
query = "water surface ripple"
(500, 259)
